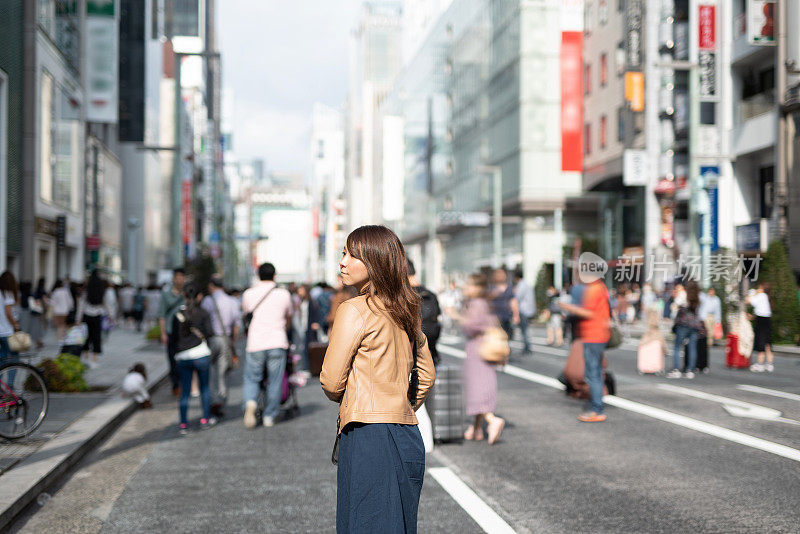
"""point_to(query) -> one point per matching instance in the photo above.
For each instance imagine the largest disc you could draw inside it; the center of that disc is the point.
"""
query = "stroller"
(290, 408)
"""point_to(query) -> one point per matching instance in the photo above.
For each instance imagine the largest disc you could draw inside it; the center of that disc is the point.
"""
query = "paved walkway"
(121, 349)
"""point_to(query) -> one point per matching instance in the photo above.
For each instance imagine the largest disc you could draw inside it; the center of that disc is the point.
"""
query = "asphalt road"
(644, 470)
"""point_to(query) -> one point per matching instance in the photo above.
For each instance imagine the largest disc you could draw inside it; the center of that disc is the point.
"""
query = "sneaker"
(592, 417)
(250, 414)
(689, 375)
(706, 370)
(207, 423)
(184, 429)
(268, 421)
(757, 368)
(769, 368)
(674, 374)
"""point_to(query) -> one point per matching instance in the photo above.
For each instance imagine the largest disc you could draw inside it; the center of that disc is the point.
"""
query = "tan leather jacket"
(367, 365)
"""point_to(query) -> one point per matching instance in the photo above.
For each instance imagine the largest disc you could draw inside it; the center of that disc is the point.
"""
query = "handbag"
(494, 347)
(615, 338)
(717, 330)
(19, 341)
(34, 306)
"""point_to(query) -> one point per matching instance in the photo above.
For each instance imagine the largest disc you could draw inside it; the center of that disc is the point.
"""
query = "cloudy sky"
(279, 57)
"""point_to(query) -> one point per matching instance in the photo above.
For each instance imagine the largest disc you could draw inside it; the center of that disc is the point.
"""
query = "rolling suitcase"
(445, 406)
(734, 358)
(316, 353)
(650, 357)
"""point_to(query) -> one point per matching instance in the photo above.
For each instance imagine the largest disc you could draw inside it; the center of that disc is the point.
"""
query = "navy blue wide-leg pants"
(381, 467)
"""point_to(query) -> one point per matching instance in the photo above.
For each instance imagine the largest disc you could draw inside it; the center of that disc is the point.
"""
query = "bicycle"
(23, 400)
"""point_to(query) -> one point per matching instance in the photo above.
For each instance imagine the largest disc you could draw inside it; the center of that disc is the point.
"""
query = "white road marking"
(765, 413)
(477, 509)
(657, 413)
(767, 391)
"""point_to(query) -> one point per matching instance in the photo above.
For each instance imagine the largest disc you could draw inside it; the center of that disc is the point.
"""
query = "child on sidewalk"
(652, 346)
(134, 385)
(75, 336)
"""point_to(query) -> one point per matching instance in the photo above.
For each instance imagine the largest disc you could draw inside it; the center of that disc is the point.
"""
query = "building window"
(603, 130)
(603, 69)
(602, 11)
(619, 59)
(620, 124)
(587, 79)
(587, 139)
(588, 17)
(47, 104)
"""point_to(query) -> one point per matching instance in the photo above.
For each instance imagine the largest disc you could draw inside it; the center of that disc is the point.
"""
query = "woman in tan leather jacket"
(366, 370)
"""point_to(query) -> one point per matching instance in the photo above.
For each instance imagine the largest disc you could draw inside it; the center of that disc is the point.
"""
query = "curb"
(45, 466)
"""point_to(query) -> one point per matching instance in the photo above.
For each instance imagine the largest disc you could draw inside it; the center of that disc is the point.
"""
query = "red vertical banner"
(315, 223)
(706, 27)
(572, 101)
(187, 218)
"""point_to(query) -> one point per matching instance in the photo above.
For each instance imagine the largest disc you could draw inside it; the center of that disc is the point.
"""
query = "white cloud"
(279, 58)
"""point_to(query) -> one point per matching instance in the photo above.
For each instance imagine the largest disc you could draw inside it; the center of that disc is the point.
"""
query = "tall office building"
(375, 60)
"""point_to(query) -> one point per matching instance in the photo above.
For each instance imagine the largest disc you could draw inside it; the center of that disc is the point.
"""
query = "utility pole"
(781, 178)
(497, 212)
(180, 159)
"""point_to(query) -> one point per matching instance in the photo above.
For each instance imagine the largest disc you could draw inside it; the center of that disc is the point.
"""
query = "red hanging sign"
(707, 27)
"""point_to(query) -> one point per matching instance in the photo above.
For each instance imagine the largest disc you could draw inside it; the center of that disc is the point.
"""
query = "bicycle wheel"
(23, 400)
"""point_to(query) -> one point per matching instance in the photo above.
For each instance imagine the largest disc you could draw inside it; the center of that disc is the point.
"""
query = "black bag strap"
(413, 379)
(219, 315)
(262, 299)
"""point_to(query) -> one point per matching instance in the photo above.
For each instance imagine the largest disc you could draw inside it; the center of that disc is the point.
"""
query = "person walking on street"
(594, 314)
(138, 308)
(191, 328)
(430, 310)
(93, 304)
(9, 296)
(62, 302)
(305, 323)
(480, 376)
(687, 326)
(224, 312)
(555, 323)
(504, 303)
(527, 307)
(761, 301)
(710, 312)
(126, 294)
(267, 344)
(371, 354)
(171, 300)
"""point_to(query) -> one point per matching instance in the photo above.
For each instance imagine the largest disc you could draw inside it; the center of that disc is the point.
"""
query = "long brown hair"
(8, 284)
(387, 266)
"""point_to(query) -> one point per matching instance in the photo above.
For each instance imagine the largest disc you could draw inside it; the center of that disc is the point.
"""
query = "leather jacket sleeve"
(345, 338)
(426, 373)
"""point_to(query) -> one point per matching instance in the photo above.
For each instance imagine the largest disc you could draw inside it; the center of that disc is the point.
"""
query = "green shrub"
(785, 309)
(64, 374)
(154, 333)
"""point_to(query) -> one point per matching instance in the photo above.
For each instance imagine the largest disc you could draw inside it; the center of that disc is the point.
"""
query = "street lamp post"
(497, 212)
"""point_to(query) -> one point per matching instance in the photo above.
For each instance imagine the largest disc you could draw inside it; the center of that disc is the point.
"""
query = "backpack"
(429, 309)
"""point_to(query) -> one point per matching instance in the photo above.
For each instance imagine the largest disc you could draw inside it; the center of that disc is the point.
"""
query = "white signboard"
(761, 22)
(102, 59)
(635, 168)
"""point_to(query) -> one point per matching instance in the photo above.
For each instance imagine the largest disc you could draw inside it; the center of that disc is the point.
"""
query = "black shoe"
(216, 410)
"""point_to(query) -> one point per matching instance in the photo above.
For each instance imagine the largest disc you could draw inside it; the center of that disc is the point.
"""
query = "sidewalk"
(75, 421)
